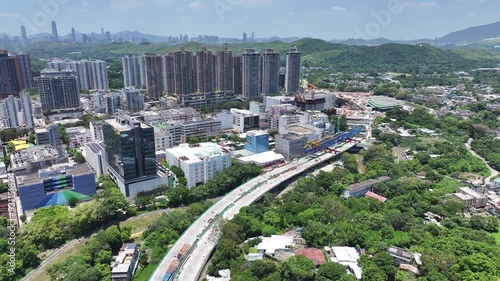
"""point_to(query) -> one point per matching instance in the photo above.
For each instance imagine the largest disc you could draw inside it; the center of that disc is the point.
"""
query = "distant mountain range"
(477, 36)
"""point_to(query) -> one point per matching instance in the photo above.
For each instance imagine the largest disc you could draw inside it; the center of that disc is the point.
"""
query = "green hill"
(338, 57)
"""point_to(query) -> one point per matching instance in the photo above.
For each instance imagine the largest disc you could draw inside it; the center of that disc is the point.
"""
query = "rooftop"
(124, 259)
(300, 130)
(257, 133)
(345, 254)
(262, 158)
(383, 102)
(244, 112)
(62, 169)
(463, 197)
(35, 154)
(290, 137)
(316, 255)
(469, 191)
(399, 252)
(125, 123)
(376, 196)
(369, 182)
(271, 244)
(95, 147)
(194, 153)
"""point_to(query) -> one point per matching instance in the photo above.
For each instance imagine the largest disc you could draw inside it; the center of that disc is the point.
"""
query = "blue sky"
(325, 19)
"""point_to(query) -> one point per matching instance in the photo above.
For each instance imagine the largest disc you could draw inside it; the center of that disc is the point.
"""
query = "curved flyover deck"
(201, 234)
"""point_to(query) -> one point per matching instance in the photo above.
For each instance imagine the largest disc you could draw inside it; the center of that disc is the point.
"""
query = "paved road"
(46, 262)
(494, 173)
(203, 234)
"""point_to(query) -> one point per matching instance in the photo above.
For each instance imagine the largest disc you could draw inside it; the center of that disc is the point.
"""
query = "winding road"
(494, 173)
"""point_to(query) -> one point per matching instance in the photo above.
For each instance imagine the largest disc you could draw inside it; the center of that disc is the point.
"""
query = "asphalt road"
(494, 173)
(204, 235)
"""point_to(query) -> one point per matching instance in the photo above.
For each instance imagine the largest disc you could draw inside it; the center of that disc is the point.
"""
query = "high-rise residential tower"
(134, 99)
(11, 81)
(131, 71)
(154, 77)
(238, 75)
(183, 72)
(27, 110)
(292, 80)
(205, 71)
(58, 90)
(224, 70)
(270, 72)
(24, 62)
(92, 75)
(168, 73)
(251, 74)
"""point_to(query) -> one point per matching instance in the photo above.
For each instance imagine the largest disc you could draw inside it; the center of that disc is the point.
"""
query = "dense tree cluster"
(93, 261)
(51, 227)
(489, 148)
(168, 229)
(461, 249)
(222, 183)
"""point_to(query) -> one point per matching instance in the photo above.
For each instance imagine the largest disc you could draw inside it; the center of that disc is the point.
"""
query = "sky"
(325, 19)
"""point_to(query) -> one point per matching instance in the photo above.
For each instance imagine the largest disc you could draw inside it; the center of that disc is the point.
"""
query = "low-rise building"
(471, 198)
(361, 188)
(346, 256)
(96, 131)
(225, 275)
(201, 128)
(244, 120)
(95, 154)
(264, 159)
(315, 255)
(401, 256)
(34, 159)
(200, 100)
(257, 141)
(270, 101)
(56, 185)
(200, 162)
(171, 134)
(180, 114)
(124, 265)
(290, 146)
(275, 243)
(78, 136)
(49, 135)
(226, 119)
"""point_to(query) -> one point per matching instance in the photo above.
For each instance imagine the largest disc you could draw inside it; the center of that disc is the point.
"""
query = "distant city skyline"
(325, 19)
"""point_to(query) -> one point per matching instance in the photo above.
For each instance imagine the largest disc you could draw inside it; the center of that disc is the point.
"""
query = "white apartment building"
(95, 154)
(199, 162)
(244, 120)
(79, 136)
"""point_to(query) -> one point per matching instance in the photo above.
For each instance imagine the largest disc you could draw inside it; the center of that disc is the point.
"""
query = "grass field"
(141, 222)
(70, 251)
(145, 273)
(497, 236)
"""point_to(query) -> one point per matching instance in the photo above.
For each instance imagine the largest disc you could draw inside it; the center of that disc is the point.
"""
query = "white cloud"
(418, 4)
(126, 4)
(339, 9)
(10, 15)
(196, 5)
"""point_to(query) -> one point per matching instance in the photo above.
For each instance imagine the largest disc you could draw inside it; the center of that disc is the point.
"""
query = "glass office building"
(130, 148)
